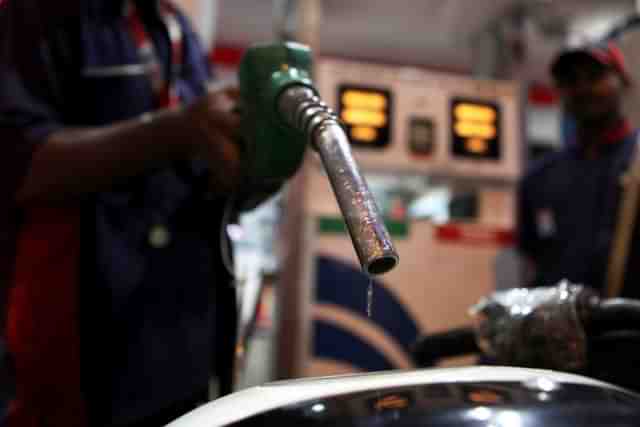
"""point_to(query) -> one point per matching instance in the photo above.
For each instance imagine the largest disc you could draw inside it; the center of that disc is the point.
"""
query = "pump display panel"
(367, 114)
(475, 129)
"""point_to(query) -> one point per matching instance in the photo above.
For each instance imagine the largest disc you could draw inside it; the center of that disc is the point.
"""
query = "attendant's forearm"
(77, 161)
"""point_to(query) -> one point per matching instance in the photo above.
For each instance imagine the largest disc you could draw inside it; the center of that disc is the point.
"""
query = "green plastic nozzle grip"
(274, 150)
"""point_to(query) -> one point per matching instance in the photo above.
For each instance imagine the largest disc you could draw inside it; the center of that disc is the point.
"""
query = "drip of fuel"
(378, 409)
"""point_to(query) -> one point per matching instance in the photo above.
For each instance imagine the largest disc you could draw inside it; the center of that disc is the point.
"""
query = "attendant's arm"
(72, 162)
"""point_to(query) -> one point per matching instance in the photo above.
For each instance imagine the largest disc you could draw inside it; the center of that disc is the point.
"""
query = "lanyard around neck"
(164, 87)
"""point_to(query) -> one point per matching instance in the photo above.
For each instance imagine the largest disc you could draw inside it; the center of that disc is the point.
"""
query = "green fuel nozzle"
(282, 114)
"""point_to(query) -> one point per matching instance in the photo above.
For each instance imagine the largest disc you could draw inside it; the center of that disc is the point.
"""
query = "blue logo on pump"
(344, 286)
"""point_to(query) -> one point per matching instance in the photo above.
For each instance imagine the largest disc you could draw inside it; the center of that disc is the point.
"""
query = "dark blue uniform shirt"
(568, 206)
(148, 315)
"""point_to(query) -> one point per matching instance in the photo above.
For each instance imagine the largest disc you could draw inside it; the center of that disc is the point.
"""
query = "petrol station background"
(395, 141)
(444, 116)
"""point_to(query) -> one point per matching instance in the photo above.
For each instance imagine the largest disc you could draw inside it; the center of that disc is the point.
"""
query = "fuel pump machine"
(442, 153)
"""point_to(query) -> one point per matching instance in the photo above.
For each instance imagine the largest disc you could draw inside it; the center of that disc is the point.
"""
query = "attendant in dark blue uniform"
(568, 203)
(95, 157)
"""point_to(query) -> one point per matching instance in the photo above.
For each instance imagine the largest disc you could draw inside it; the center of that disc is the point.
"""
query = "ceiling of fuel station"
(443, 34)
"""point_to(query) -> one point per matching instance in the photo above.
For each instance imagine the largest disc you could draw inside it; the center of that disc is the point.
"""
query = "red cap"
(607, 54)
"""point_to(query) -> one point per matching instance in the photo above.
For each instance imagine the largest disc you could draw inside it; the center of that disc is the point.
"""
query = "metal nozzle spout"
(366, 226)
(302, 109)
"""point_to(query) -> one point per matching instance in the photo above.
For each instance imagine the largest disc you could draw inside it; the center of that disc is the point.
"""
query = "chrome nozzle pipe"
(302, 109)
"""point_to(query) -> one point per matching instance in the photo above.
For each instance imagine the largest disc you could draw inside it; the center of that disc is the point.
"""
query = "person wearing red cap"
(568, 202)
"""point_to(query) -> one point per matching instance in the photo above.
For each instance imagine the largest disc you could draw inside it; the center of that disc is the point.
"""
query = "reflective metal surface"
(302, 109)
(497, 404)
(475, 396)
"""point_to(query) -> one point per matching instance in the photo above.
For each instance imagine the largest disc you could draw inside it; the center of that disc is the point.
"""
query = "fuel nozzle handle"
(302, 109)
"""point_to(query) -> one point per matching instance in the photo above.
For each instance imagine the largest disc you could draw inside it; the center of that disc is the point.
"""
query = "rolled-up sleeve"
(23, 111)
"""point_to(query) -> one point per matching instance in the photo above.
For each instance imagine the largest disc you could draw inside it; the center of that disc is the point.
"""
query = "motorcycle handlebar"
(612, 315)
(600, 318)
(430, 349)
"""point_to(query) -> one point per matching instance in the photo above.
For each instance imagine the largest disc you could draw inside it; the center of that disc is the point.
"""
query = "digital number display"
(366, 113)
(475, 129)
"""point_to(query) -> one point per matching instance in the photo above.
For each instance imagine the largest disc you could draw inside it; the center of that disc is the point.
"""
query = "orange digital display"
(475, 129)
(366, 113)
